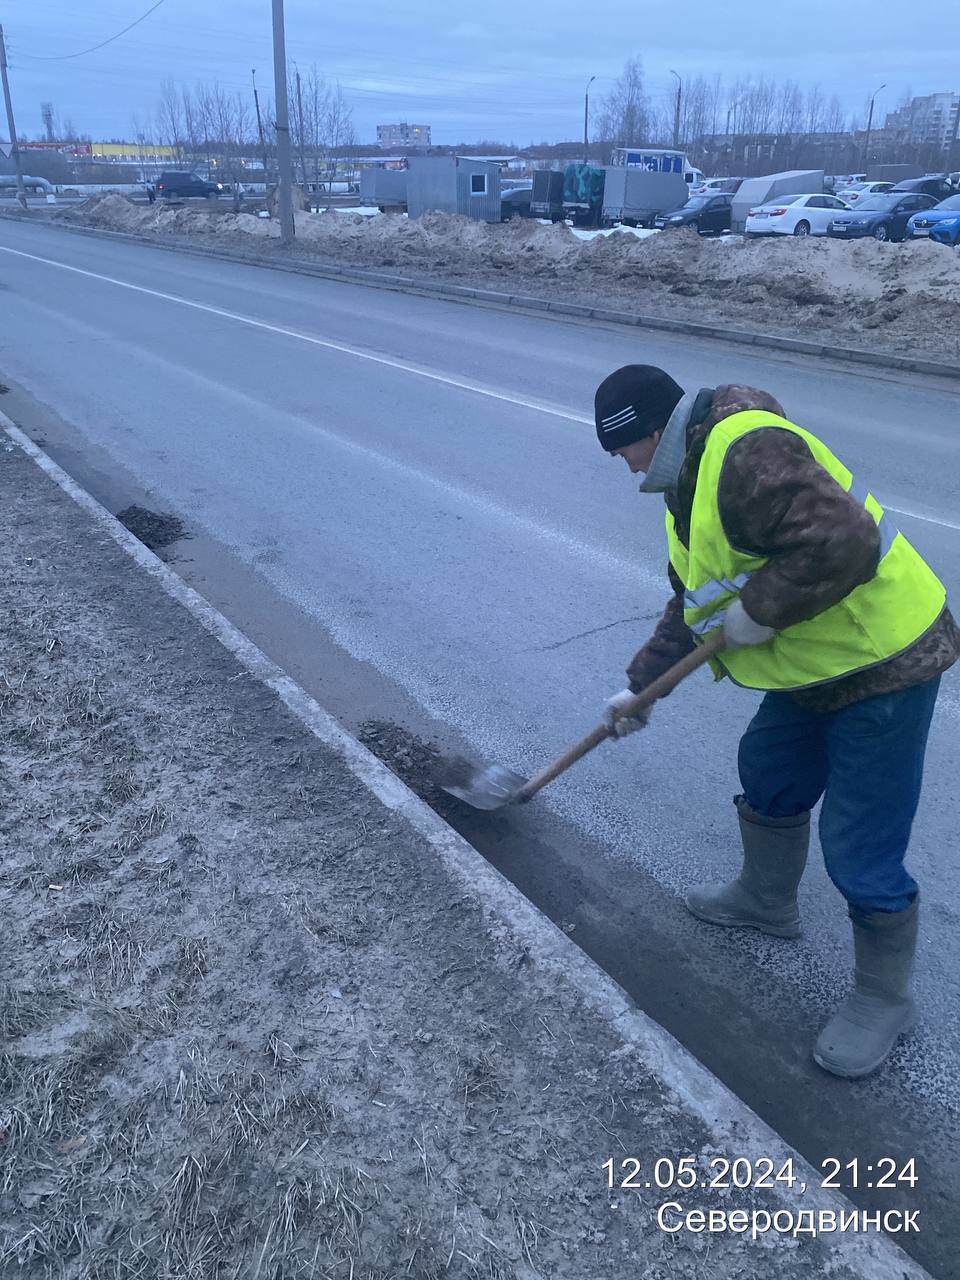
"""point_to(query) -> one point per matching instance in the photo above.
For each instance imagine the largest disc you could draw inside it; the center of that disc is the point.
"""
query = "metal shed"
(386, 188)
(754, 191)
(454, 184)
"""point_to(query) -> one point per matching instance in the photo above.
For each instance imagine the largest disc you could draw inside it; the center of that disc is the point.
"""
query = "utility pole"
(731, 108)
(676, 111)
(866, 141)
(586, 120)
(282, 124)
(303, 158)
(263, 145)
(14, 145)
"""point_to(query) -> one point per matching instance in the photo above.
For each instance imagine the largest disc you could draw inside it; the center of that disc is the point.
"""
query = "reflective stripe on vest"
(874, 622)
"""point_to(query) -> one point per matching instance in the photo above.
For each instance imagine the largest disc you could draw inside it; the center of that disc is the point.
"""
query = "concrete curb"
(733, 1125)
(523, 302)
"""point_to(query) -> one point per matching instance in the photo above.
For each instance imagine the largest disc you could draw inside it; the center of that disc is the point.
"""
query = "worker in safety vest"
(830, 612)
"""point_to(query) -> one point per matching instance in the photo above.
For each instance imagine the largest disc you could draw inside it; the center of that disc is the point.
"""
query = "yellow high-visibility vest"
(876, 621)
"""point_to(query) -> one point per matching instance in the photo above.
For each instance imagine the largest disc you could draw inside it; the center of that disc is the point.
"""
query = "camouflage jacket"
(776, 501)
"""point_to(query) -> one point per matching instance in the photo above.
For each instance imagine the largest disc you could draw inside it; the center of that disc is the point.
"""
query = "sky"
(496, 70)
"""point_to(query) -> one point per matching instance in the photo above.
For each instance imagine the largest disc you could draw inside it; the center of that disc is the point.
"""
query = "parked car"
(947, 231)
(920, 224)
(716, 186)
(884, 217)
(707, 213)
(176, 185)
(860, 190)
(939, 188)
(800, 215)
(515, 203)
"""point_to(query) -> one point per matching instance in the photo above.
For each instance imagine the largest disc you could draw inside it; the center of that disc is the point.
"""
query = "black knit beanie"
(633, 403)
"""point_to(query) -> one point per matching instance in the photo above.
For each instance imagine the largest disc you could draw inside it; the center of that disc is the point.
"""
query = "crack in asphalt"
(559, 644)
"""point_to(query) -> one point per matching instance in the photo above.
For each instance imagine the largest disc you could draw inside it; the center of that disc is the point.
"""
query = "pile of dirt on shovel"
(902, 297)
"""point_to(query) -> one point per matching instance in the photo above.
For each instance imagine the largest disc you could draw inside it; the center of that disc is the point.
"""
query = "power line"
(36, 57)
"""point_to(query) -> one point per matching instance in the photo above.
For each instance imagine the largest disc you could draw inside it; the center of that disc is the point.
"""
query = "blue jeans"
(867, 762)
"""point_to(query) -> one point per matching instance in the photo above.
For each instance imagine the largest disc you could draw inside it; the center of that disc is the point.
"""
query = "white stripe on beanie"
(620, 419)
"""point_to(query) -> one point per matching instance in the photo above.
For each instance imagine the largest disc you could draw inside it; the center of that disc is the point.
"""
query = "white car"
(795, 215)
(860, 191)
(715, 186)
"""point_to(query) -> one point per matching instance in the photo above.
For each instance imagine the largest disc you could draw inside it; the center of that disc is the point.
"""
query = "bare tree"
(338, 123)
(142, 128)
(814, 110)
(170, 117)
(327, 121)
(624, 117)
(697, 110)
(231, 126)
(192, 132)
(206, 111)
(833, 121)
(314, 93)
(789, 111)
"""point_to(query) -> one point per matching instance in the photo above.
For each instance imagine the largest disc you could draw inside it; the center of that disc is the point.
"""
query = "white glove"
(739, 629)
(614, 719)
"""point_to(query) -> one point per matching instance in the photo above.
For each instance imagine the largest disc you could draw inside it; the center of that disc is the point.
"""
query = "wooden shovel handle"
(658, 688)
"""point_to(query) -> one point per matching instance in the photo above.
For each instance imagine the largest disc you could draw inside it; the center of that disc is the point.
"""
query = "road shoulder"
(262, 1008)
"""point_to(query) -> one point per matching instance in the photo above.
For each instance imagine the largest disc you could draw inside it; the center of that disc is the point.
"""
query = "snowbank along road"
(403, 502)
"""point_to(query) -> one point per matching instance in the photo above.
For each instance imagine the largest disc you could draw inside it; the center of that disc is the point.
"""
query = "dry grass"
(109, 947)
(248, 1034)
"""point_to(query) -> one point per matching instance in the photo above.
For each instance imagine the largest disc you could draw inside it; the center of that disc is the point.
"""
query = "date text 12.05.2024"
(723, 1173)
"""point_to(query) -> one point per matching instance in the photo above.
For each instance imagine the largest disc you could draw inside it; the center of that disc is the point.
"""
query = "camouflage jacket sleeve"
(776, 501)
(672, 640)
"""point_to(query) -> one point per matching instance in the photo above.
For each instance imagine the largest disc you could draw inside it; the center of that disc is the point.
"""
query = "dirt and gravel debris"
(251, 1026)
(894, 297)
(155, 529)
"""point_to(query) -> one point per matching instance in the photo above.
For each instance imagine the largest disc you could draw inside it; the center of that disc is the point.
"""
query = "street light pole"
(866, 141)
(676, 111)
(732, 107)
(263, 145)
(586, 120)
(14, 146)
(284, 164)
(303, 154)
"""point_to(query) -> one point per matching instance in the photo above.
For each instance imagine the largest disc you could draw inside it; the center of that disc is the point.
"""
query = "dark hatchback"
(177, 185)
(515, 203)
(939, 188)
(884, 217)
(709, 214)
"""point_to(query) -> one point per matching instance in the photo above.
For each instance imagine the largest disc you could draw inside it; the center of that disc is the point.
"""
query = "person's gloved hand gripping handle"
(740, 630)
(616, 721)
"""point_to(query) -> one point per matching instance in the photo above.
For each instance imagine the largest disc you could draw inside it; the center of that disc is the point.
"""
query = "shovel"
(496, 786)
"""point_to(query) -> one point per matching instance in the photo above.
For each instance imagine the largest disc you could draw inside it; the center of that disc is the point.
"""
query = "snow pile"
(775, 283)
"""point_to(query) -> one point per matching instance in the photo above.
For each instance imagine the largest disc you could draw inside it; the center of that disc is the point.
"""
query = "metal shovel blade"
(489, 788)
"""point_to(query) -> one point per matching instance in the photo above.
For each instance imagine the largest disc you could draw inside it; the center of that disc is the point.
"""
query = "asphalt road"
(403, 501)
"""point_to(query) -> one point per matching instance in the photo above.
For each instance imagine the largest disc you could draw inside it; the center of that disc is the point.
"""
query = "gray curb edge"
(520, 302)
(727, 1118)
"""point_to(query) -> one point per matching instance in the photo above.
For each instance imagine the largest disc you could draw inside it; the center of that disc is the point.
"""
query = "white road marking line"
(360, 354)
(343, 347)
(917, 515)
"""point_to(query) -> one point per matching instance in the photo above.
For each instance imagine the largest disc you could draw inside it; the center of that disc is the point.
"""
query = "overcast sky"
(500, 69)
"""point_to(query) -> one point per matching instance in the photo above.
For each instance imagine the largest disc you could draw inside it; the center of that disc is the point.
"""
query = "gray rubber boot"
(864, 1029)
(764, 894)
